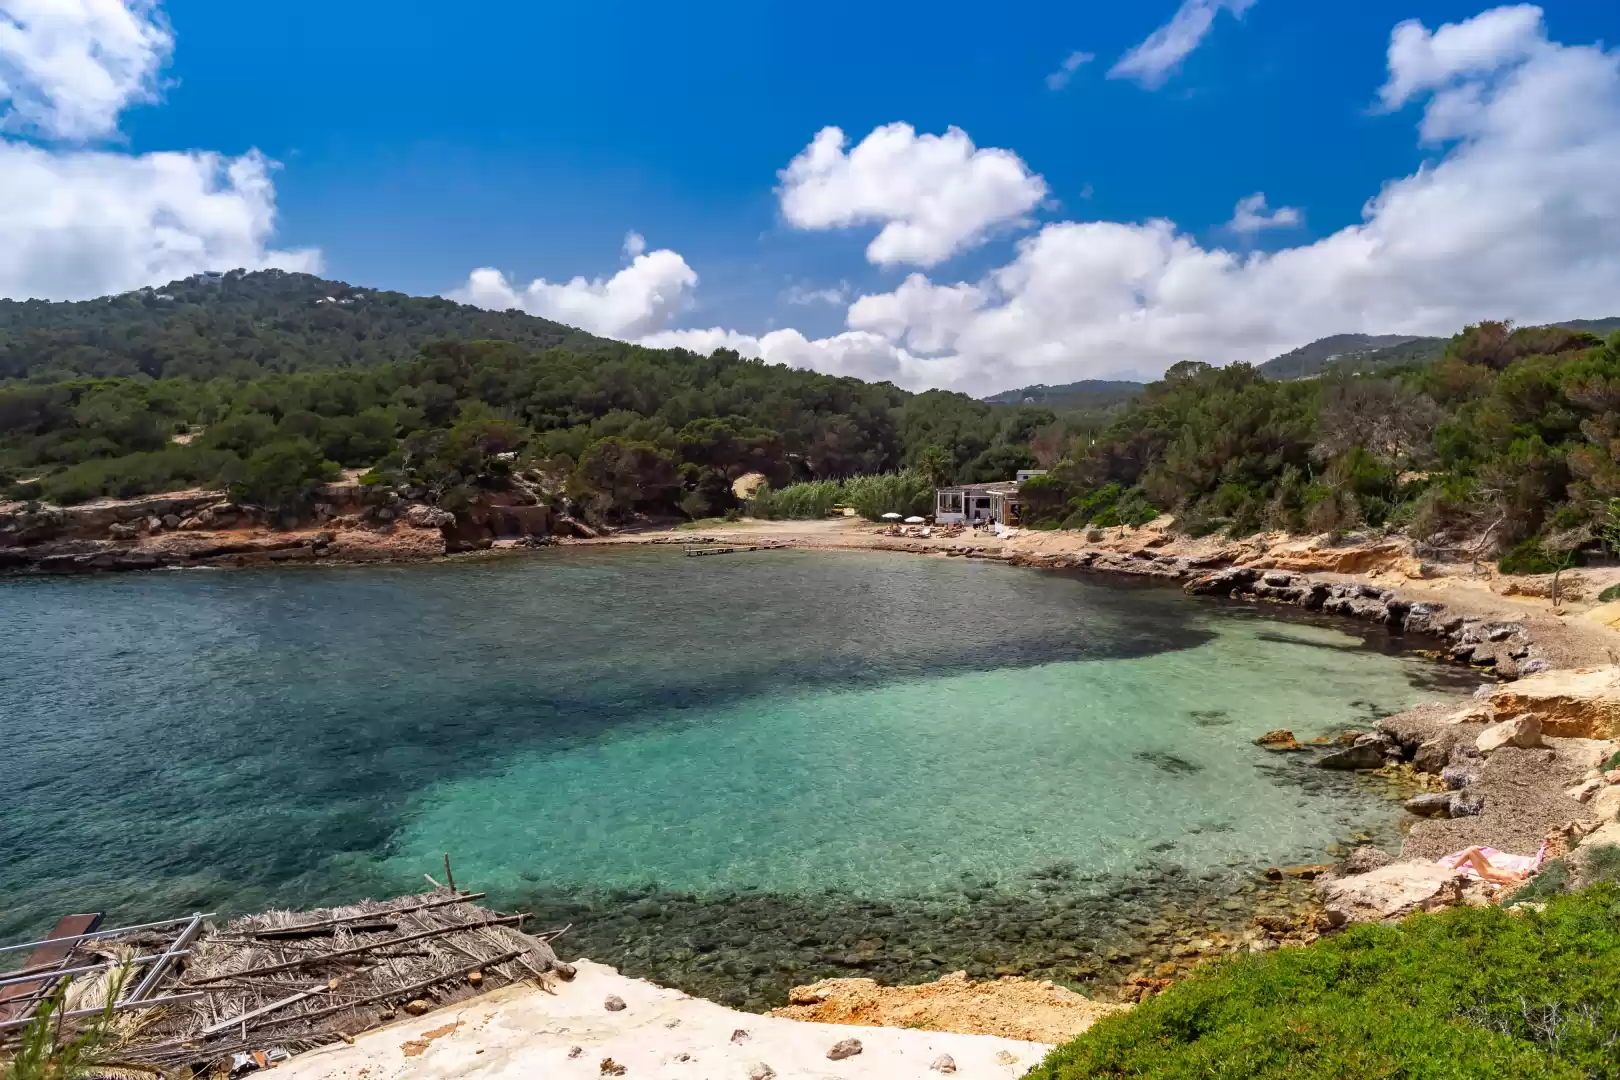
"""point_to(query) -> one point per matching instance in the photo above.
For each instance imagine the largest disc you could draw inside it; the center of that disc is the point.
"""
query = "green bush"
(1530, 558)
(904, 493)
(1467, 994)
(1611, 593)
(1110, 505)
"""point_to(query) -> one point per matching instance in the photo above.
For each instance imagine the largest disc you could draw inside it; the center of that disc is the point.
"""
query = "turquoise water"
(706, 744)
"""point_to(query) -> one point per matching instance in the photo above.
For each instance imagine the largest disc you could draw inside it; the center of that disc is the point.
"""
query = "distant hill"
(1366, 350)
(1086, 394)
(1369, 352)
(241, 324)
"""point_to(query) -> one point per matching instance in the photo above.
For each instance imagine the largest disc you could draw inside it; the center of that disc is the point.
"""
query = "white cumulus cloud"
(84, 223)
(1151, 63)
(639, 300)
(77, 223)
(1423, 60)
(1252, 215)
(933, 195)
(1517, 216)
(68, 68)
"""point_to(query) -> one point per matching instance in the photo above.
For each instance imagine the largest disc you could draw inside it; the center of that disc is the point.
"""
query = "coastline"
(1509, 634)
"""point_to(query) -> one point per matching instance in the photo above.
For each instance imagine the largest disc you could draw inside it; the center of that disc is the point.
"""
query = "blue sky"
(416, 142)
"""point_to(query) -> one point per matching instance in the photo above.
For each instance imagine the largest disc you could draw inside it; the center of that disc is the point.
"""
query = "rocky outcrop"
(1387, 893)
(1583, 703)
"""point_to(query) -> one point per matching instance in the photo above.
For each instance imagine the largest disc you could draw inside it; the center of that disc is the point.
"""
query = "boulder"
(1281, 739)
(1364, 859)
(614, 1003)
(1523, 731)
(1361, 756)
(1606, 804)
(1583, 703)
(943, 1064)
(1434, 753)
(428, 517)
(1430, 804)
(1465, 804)
(1386, 893)
(760, 1071)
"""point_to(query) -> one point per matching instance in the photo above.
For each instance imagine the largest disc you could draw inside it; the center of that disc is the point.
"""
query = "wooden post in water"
(449, 878)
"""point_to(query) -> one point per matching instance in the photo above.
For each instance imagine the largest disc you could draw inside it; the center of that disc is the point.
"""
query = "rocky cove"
(1118, 936)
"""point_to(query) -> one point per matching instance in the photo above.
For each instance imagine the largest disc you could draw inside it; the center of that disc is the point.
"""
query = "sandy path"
(520, 1033)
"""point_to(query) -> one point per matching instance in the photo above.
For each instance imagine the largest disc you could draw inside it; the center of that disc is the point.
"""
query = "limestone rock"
(416, 1007)
(1585, 789)
(1606, 804)
(1364, 859)
(1369, 755)
(761, 1071)
(943, 1064)
(847, 1048)
(614, 1003)
(1582, 858)
(1465, 804)
(428, 517)
(1389, 892)
(1459, 775)
(1434, 754)
(1583, 703)
(1430, 804)
(1281, 739)
(1523, 731)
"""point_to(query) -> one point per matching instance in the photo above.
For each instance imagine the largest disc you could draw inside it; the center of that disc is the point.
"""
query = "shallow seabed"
(731, 774)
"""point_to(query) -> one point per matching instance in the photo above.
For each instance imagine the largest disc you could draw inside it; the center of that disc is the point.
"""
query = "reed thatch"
(292, 981)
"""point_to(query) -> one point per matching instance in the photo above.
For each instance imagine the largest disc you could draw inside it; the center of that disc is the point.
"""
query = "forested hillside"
(271, 383)
(241, 325)
(1511, 439)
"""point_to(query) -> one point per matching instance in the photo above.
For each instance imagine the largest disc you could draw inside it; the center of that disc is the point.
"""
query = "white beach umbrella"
(891, 517)
(915, 520)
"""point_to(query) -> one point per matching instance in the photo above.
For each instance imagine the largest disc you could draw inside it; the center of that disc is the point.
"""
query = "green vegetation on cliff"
(270, 383)
(1468, 994)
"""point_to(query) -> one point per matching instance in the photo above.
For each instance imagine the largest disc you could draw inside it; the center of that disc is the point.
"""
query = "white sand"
(520, 1033)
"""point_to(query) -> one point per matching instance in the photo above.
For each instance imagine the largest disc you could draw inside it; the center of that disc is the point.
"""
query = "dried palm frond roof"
(297, 980)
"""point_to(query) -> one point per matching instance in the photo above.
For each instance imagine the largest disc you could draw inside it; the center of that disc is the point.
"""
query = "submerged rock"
(1364, 755)
(1281, 739)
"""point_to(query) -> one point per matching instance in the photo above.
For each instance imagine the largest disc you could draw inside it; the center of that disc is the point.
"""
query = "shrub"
(1470, 994)
(1530, 557)
(904, 493)
(1109, 505)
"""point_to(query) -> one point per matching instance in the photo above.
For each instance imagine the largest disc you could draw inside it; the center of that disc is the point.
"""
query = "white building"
(976, 504)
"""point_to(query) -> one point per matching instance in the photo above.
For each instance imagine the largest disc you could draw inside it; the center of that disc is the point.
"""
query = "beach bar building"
(980, 504)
